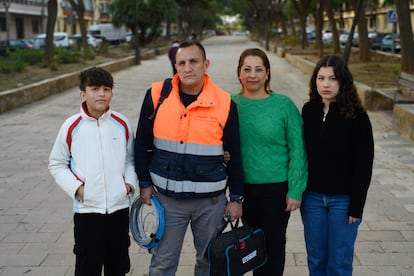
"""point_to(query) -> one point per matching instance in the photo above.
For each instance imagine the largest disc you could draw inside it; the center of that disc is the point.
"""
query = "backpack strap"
(165, 92)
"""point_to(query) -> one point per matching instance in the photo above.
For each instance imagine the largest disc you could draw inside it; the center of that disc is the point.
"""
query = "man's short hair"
(189, 43)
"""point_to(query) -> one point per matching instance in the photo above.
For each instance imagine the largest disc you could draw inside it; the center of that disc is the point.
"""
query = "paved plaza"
(36, 228)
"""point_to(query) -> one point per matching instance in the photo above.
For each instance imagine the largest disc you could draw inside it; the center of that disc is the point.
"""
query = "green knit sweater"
(272, 146)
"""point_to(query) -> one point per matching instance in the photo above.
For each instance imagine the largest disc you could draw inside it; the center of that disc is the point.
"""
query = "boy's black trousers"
(102, 240)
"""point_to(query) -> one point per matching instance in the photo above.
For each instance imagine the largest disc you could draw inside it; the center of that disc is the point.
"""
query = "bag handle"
(237, 242)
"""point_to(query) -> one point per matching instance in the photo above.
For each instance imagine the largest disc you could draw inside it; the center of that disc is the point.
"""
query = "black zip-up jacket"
(340, 153)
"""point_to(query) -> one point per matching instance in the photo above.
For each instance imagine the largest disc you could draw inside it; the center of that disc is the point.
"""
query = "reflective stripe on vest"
(187, 186)
(188, 148)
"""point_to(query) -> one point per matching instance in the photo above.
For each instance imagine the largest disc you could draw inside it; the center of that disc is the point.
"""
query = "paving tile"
(22, 260)
(32, 237)
(408, 235)
(398, 247)
(59, 259)
(386, 259)
(380, 236)
(35, 271)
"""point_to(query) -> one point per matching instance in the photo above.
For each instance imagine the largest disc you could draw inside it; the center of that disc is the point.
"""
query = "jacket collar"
(85, 113)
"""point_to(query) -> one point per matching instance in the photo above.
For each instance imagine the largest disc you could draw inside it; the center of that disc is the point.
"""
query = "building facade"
(377, 19)
(28, 18)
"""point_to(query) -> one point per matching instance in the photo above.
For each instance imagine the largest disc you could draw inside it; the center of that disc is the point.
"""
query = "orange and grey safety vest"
(187, 159)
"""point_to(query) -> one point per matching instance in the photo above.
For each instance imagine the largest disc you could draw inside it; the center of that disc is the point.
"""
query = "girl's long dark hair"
(348, 101)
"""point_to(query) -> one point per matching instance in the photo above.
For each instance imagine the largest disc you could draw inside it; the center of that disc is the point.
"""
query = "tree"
(406, 35)
(50, 27)
(302, 8)
(364, 49)
(279, 15)
(143, 17)
(140, 16)
(351, 33)
(319, 26)
(334, 29)
(194, 16)
(6, 4)
(79, 8)
(291, 13)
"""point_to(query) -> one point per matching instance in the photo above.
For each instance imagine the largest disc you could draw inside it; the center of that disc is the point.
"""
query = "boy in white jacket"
(92, 161)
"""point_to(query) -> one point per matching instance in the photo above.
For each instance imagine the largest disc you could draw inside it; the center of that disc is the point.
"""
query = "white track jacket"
(98, 154)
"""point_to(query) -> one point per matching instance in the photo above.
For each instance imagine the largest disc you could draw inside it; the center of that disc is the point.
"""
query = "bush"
(16, 61)
(29, 56)
(64, 56)
(292, 40)
(9, 65)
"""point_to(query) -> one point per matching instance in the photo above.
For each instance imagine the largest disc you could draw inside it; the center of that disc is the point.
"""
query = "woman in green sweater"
(273, 155)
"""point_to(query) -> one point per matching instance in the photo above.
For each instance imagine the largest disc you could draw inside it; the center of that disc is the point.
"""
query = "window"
(3, 24)
(35, 26)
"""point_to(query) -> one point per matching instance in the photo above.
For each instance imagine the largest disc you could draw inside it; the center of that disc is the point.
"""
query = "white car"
(92, 41)
(343, 38)
(60, 39)
(128, 37)
(326, 36)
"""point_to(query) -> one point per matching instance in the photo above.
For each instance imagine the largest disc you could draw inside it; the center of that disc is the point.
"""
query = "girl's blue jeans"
(329, 237)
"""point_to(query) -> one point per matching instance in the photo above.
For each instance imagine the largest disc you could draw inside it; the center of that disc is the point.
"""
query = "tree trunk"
(357, 13)
(332, 22)
(319, 27)
(302, 10)
(6, 4)
(79, 8)
(266, 23)
(364, 49)
(406, 36)
(50, 27)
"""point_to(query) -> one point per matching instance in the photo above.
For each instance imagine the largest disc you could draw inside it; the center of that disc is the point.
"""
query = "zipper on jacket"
(103, 166)
(323, 122)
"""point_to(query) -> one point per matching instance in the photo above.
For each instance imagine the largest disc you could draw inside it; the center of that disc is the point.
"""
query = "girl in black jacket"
(340, 149)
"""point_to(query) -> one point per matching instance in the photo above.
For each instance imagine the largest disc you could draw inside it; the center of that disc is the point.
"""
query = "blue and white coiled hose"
(138, 220)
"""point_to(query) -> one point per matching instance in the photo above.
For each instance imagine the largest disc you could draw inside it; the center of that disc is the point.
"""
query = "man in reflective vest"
(180, 158)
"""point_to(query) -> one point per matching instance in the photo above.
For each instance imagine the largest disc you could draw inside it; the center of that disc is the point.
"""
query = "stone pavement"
(36, 230)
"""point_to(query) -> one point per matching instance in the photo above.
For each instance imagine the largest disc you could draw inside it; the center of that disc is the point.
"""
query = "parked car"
(29, 42)
(220, 32)
(39, 42)
(388, 41)
(92, 41)
(128, 37)
(60, 39)
(12, 45)
(343, 38)
(375, 42)
(310, 36)
(326, 36)
(355, 38)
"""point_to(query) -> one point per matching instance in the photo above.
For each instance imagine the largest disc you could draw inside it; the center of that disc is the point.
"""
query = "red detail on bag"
(242, 245)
